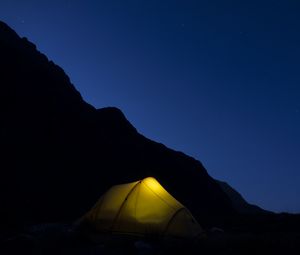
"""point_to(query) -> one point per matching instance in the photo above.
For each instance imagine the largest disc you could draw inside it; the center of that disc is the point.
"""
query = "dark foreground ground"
(62, 239)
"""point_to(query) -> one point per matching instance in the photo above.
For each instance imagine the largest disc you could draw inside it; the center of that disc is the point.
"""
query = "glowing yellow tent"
(142, 208)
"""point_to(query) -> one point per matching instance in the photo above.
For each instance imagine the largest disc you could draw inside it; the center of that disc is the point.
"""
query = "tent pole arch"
(171, 219)
(122, 205)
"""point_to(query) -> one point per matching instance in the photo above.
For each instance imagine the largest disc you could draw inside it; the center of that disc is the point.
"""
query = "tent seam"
(122, 205)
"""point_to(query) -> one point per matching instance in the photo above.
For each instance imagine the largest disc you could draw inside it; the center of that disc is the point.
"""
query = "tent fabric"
(142, 208)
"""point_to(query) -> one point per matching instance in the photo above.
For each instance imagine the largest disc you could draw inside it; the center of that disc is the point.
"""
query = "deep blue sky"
(218, 80)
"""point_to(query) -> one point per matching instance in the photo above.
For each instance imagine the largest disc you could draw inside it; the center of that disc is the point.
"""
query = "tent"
(142, 208)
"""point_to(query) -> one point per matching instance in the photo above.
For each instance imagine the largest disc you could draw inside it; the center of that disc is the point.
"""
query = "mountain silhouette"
(239, 203)
(59, 154)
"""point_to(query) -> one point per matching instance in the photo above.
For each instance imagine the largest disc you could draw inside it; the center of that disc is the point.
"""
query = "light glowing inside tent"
(153, 184)
(142, 207)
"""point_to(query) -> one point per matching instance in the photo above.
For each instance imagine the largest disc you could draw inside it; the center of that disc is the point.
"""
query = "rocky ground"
(50, 239)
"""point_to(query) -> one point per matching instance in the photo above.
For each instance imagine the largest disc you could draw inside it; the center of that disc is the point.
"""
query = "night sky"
(218, 80)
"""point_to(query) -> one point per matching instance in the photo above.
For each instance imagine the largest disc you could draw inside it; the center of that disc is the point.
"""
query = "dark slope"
(59, 154)
(239, 203)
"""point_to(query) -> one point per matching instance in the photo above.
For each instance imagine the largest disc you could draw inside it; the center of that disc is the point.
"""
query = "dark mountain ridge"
(239, 203)
(59, 154)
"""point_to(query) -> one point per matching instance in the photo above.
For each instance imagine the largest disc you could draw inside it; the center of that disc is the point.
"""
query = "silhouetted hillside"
(238, 202)
(59, 154)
